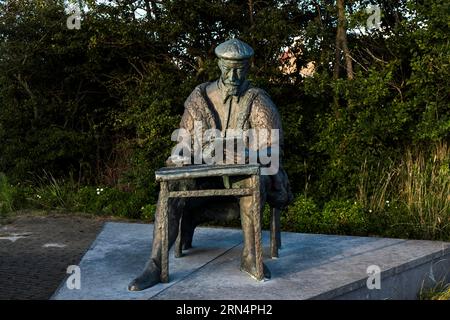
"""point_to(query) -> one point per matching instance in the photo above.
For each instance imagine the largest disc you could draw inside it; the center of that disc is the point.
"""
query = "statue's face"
(233, 74)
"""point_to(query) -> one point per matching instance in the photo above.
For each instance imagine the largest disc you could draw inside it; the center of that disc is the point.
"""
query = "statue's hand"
(169, 162)
(177, 161)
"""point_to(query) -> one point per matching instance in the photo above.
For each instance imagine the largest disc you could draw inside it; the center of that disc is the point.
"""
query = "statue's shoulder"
(258, 91)
(197, 96)
(198, 107)
(199, 90)
(263, 113)
(262, 101)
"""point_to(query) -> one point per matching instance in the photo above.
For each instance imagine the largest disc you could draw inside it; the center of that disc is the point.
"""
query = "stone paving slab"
(310, 267)
(121, 251)
(35, 252)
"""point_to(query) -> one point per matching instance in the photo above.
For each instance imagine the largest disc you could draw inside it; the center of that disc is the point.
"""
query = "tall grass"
(374, 192)
(440, 291)
(47, 192)
(426, 188)
(51, 193)
(413, 194)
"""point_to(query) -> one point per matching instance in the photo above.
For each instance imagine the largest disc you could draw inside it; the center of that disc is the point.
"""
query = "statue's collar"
(224, 94)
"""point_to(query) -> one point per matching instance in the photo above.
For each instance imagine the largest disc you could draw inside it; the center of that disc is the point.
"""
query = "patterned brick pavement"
(35, 252)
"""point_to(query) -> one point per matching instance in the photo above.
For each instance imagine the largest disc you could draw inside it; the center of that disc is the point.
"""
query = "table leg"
(275, 239)
(163, 214)
(178, 244)
(257, 227)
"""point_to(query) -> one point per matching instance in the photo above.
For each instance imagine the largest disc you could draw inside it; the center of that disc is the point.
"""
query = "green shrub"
(302, 215)
(337, 217)
(148, 212)
(12, 197)
(396, 221)
(344, 217)
(6, 195)
(266, 217)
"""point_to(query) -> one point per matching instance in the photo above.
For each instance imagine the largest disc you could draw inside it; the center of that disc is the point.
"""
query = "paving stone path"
(35, 252)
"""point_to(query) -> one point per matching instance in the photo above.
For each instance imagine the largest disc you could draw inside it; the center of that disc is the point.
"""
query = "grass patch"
(48, 194)
(441, 291)
(411, 198)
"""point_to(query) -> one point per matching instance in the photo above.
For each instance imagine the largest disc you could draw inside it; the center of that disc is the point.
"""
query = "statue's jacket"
(259, 112)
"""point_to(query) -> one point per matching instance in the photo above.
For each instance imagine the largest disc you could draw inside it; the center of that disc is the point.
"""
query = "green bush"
(395, 221)
(344, 217)
(337, 217)
(6, 195)
(12, 197)
(302, 215)
(266, 217)
(148, 212)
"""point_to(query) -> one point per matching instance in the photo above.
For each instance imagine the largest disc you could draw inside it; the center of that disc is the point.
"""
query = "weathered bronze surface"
(196, 194)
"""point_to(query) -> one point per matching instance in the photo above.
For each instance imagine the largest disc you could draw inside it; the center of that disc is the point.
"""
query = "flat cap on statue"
(234, 49)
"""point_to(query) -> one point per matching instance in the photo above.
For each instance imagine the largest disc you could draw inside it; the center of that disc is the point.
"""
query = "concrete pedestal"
(310, 267)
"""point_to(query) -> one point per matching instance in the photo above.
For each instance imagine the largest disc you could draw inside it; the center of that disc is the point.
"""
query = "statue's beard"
(232, 90)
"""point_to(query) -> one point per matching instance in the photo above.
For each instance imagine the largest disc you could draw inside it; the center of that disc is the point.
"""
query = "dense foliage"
(96, 106)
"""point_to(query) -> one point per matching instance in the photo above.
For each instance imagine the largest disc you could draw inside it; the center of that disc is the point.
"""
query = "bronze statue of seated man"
(227, 103)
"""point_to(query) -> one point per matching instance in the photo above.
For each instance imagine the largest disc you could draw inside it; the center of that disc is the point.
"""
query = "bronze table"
(164, 175)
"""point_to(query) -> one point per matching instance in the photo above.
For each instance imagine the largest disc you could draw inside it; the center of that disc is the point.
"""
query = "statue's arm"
(187, 125)
(265, 115)
(187, 121)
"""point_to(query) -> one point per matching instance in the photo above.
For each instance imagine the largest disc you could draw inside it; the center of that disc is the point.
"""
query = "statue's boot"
(149, 277)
